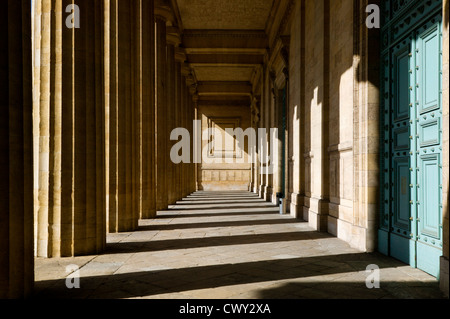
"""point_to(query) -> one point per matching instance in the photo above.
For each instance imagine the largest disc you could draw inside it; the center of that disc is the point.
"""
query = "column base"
(316, 211)
(261, 191)
(288, 203)
(354, 235)
(268, 194)
(296, 206)
(444, 275)
(273, 198)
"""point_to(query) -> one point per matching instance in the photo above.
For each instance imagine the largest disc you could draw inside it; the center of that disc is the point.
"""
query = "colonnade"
(110, 94)
(89, 106)
(87, 114)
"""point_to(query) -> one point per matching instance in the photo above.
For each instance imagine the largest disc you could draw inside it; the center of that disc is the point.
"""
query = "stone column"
(71, 132)
(180, 121)
(185, 72)
(254, 114)
(36, 14)
(195, 145)
(316, 101)
(124, 185)
(162, 153)
(16, 149)
(44, 131)
(296, 96)
(113, 175)
(148, 111)
(270, 151)
(107, 95)
(183, 90)
(256, 165)
(192, 168)
(252, 167)
(83, 131)
(262, 145)
(67, 145)
(172, 40)
(276, 121)
(136, 114)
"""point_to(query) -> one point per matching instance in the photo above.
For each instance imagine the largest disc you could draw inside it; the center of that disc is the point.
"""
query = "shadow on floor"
(220, 206)
(206, 201)
(226, 212)
(219, 224)
(353, 290)
(150, 283)
(186, 243)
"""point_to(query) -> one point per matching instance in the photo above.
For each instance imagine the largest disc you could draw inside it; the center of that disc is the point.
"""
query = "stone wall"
(332, 118)
(340, 149)
(224, 176)
(316, 115)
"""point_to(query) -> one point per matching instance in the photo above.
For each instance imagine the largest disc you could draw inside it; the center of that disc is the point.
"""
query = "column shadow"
(216, 241)
(150, 283)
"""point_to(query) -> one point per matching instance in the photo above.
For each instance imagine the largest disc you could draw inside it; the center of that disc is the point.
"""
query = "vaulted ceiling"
(225, 43)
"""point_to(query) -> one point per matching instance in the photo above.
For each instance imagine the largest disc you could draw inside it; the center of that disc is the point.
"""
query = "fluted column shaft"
(184, 124)
(71, 159)
(16, 149)
(161, 115)
(192, 167)
(125, 117)
(148, 111)
(178, 124)
(170, 119)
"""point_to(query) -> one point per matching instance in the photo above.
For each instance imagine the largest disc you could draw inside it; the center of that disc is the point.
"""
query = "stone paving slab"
(230, 245)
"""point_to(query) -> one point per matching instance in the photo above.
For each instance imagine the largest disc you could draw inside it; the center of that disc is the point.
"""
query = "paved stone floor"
(229, 245)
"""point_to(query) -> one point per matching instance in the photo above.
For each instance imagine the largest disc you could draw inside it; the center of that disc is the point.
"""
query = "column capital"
(190, 80)
(185, 69)
(193, 92)
(173, 36)
(163, 12)
(180, 55)
(255, 109)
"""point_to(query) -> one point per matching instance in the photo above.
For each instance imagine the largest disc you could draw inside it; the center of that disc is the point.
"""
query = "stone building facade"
(88, 114)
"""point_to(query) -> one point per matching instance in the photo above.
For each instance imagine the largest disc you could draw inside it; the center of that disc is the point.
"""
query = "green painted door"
(411, 217)
(400, 244)
(428, 122)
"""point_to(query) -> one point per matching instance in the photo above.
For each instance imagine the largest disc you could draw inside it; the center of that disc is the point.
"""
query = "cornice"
(224, 33)
(177, 15)
(164, 12)
(180, 55)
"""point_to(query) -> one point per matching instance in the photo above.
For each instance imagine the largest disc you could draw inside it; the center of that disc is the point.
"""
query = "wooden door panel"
(429, 199)
(429, 70)
(402, 87)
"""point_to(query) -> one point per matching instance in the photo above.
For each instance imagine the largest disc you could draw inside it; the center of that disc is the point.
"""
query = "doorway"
(411, 217)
